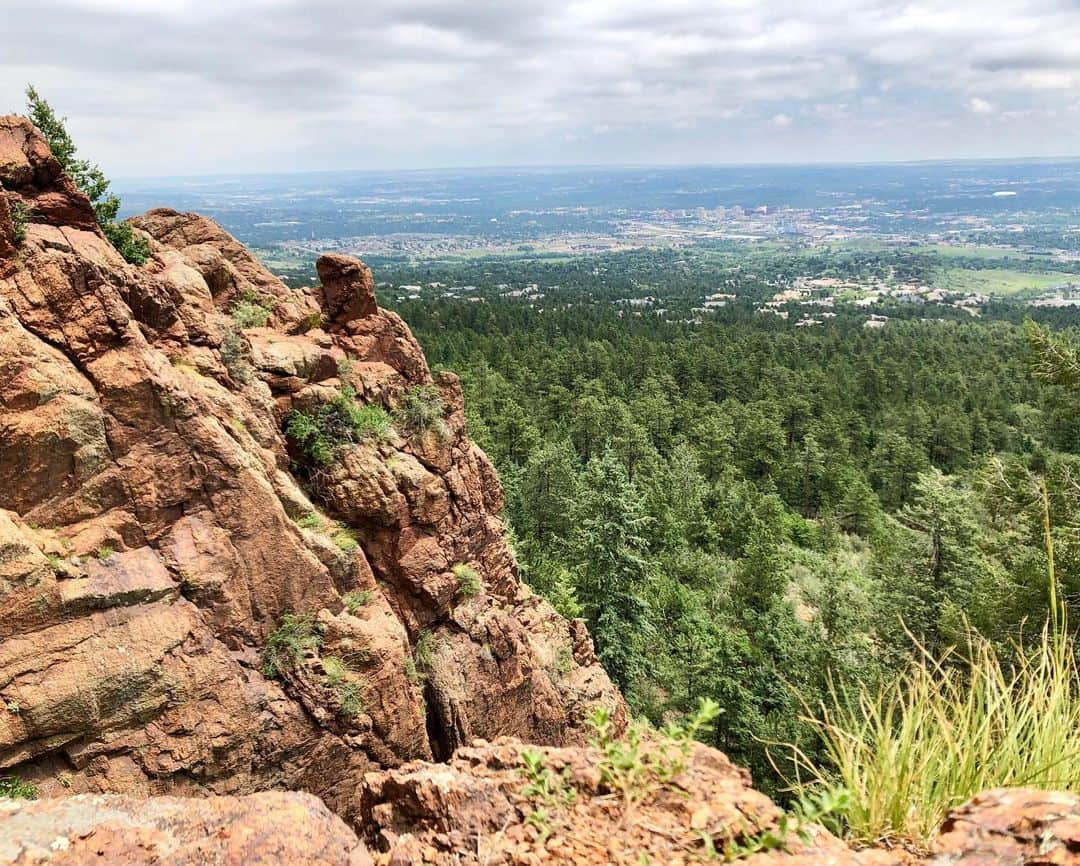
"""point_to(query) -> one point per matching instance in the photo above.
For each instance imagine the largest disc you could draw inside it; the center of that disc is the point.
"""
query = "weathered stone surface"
(153, 534)
(348, 289)
(269, 829)
(1012, 827)
(477, 809)
(27, 167)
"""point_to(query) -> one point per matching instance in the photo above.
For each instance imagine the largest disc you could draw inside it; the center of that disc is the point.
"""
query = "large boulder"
(272, 829)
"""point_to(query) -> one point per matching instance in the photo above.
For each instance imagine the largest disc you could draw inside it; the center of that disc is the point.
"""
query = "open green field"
(999, 281)
(971, 251)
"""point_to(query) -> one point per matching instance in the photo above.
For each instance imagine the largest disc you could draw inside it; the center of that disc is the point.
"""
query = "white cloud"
(183, 86)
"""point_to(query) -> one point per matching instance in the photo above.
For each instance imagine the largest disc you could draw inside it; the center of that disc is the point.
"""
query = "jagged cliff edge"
(153, 535)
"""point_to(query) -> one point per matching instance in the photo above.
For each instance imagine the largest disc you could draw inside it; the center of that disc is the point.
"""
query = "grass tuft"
(289, 642)
(469, 584)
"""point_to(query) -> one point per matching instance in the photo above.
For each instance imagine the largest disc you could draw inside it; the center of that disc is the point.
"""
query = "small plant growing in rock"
(344, 538)
(105, 552)
(310, 521)
(421, 411)
(339, 677)
(250, 314)
(17, 789)
(542, 784)
(424, 651)
(286, 646)
(320, 432)
(825, 807)
(20, 216)
(633, 765)
(469, 583)
(564, 660)
(236, 355)
(356, 599)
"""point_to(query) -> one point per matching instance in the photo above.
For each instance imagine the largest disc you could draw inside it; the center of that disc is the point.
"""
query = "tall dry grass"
(951, 726)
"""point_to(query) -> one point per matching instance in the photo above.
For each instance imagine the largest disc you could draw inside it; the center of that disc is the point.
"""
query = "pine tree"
(88, 177)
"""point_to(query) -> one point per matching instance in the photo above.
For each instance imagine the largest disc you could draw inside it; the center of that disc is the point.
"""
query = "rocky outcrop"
(486, 807)
(258, 830)
(156, 531)
(1016, 826)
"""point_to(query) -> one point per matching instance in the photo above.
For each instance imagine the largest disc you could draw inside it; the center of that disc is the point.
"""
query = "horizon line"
(541, 167)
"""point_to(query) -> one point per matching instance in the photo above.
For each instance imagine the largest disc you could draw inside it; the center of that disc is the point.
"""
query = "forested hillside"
(751, 514)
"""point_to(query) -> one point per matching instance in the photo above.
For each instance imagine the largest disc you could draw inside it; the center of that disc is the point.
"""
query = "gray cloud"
(181, 86)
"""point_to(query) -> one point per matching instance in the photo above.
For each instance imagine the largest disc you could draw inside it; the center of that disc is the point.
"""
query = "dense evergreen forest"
(759, 515)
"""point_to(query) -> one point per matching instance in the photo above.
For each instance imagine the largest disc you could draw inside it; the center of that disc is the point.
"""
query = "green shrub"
(133, 247)
(105, 552)
(289, 642)
(469, 583)
(17, 789)
(20, 216)
(250, 314)
(236, 355)
(827, 808)
(320, 432)
(633, 765)
(421, 411)
(356, 599)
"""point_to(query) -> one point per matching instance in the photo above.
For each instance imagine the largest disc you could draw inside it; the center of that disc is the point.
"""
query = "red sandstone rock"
(149, 537)
(257, 830)
(1012, 827)
(348, 289)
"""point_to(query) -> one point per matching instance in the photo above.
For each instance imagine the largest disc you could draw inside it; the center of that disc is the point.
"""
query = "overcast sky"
(190, 86)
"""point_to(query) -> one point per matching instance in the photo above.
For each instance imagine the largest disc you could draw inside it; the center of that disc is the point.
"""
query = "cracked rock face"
(154, 530)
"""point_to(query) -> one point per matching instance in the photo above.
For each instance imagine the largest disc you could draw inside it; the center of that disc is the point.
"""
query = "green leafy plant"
(321, 432)
(469, 584)
(632, 765)
(341, 679)
(88, 177)
(286, 646)
(16, 788)
(133, 247)
(542, 784)
(825, 807)
(105, 552)
(421, 411)
(20, 216)
(356, 599)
